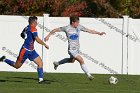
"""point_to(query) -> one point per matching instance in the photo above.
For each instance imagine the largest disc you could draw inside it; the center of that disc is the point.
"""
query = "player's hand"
(102, 33)
(46, 38)
(23, 35)
(47, 46)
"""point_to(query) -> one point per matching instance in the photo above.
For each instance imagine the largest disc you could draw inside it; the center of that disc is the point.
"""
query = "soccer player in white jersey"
(72, 32)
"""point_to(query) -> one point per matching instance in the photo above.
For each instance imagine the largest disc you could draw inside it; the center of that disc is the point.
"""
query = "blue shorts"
(24, 54)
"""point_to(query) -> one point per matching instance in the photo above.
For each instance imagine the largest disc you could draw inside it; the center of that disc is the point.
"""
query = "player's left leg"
(16, 64)
(20, 59)
(63, 61)
(66, 60)
(83, 66)
(2, 59)
(9, 62)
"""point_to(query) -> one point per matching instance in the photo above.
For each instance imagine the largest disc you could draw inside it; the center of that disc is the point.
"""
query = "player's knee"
(81, 62)
(40, 64)
(71, 60)
(17, 67)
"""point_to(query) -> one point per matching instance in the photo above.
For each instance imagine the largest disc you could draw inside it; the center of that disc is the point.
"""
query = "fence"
(117, 52)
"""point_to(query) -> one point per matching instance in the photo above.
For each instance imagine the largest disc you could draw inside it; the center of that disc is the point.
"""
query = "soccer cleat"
(90, 77)
(44, 82)
(55, 65)
(2, 58)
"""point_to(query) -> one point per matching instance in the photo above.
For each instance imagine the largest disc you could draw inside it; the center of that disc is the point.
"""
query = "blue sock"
(9, 62)
(40, 72)
(63, 61)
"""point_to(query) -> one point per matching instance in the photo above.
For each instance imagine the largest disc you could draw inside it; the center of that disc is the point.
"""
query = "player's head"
(32, 20)
(74, 21)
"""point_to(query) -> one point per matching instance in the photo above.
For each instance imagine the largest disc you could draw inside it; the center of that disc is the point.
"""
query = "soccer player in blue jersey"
(30, 35)
(72, 32)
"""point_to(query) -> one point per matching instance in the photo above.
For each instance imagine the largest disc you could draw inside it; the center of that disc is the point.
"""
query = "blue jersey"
(27, 49)
(31, 33)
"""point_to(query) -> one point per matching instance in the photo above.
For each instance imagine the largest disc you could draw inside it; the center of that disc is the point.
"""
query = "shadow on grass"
(29, 78)
(9, 81)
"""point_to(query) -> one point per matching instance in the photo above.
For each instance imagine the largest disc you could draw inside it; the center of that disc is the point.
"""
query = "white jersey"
(73, 36)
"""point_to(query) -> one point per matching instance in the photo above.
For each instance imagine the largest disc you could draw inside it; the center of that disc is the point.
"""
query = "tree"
(85, 8)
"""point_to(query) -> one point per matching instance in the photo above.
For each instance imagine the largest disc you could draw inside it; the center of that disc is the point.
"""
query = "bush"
(88, 8)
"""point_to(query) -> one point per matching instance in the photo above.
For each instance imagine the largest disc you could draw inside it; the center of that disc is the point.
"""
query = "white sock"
(40, 79)
(84, 68)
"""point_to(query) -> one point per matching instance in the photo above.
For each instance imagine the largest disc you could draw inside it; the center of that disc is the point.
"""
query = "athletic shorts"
(24, 54)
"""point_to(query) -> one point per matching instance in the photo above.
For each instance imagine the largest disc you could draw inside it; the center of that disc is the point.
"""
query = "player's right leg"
(83, 66)
(37, 59)
(39, 62)
(76, 56)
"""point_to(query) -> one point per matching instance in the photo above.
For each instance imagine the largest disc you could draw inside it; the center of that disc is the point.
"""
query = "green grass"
(17, 82)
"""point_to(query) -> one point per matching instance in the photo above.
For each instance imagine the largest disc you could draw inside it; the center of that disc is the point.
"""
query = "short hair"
(32, 19)
(73, 19)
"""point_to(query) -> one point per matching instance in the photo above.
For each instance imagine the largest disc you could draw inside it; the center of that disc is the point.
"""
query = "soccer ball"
(113, 80)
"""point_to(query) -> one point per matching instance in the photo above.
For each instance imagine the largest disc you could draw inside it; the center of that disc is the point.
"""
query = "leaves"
(88, 8)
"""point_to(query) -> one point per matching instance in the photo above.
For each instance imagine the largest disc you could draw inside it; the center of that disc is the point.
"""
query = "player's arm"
(94, 32)
(41, 42)
(35, 34)
(51, 33)
(23, 33)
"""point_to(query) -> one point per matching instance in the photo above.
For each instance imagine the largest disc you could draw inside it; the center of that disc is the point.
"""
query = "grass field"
(17, 82)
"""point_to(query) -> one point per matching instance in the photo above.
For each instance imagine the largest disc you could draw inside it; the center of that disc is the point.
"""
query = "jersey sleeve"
(82, 28)
(34, 31)
(63, 29)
